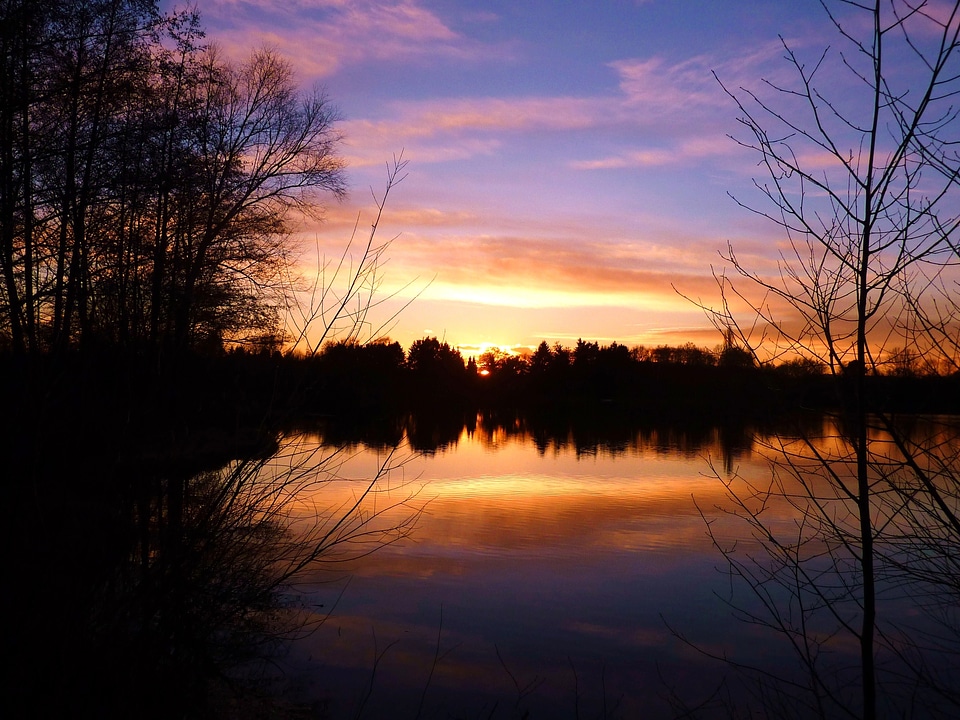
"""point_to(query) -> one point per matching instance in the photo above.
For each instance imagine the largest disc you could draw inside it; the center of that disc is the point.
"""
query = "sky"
(569, 167)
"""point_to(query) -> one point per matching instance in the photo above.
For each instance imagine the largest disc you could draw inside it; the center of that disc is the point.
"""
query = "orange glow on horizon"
(532, 297)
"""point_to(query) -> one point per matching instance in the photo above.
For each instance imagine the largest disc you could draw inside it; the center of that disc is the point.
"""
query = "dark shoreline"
(96, 441)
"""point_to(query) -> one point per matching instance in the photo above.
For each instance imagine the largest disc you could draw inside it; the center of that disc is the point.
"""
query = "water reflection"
(551, 565)
(544, 562)
(547, 565)
(590, 434)
(161, 587)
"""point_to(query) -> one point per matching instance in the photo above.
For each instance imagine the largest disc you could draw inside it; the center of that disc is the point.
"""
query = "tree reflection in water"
(797, 582)
(548, 548)
(173, 596)
(541, 566)
(170, 598)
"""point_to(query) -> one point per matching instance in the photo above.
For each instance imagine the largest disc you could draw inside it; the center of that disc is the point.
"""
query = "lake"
(502, 572)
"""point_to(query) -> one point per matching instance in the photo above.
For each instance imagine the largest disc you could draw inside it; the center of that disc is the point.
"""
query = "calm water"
(538, 577)
(535, 578)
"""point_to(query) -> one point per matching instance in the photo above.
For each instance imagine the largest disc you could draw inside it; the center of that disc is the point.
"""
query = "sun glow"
(482, 352)
(500, 348)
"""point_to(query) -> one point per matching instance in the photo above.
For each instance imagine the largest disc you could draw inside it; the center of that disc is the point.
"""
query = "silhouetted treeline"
(667, 382)
(201, 407)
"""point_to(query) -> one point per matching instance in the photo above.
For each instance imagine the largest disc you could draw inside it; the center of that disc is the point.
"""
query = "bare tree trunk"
(868, 226)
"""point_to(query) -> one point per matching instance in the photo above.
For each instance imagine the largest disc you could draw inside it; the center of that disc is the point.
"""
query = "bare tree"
(336, 304)
(147, 185)
(862, 177)
(261, 149)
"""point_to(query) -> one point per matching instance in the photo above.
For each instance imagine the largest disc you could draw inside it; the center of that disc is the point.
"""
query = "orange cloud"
(367, 143)
(547, 264)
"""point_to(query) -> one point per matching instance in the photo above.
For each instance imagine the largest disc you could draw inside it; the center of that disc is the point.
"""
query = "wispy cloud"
(683, 152)
(444, 129)
(531, 271)
(654, 84)
(674, 105)
(463, 115)
(324, 35)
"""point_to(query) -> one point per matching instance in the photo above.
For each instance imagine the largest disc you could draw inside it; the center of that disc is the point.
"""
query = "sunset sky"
(569, 162)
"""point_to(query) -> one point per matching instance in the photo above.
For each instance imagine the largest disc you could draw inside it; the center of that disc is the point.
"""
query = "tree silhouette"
(146, 184)
(863, 183)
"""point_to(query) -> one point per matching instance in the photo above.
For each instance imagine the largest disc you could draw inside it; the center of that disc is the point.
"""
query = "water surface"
(543, 578)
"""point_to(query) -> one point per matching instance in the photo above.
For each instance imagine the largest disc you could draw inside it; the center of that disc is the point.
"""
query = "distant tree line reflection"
(584, 435)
